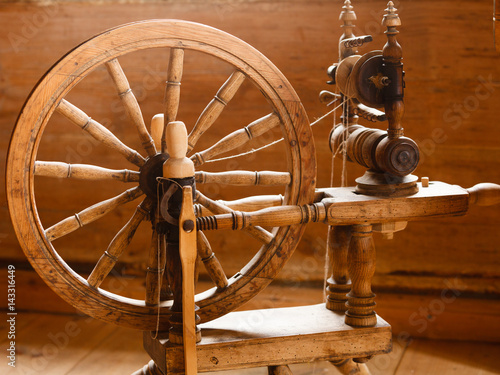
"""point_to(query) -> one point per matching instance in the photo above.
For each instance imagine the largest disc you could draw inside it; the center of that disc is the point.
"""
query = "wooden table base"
(273, 337)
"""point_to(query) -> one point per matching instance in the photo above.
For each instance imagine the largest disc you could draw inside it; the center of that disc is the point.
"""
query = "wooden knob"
(484, 194)
(157, 129)
(178, 165)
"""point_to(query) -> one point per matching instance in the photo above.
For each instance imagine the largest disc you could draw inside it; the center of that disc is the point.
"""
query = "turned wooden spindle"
(130, 103)
(215, 107)
(98, 131)
(237, 138)
(218, 208)
(361, 266)
(338, 284)
(268, 217)
(172, 90)
(267, 178)
(392, 68)
(83, 172)
(212, 264)
(255, 203)
(90, 214)
(118, 245)
(484, 194)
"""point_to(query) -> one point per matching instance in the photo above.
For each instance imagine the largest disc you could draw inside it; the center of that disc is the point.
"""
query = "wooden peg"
(485, 194)
(178, 165)
(361, 265)
(157, 130)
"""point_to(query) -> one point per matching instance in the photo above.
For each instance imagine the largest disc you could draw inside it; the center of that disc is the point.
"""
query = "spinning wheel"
(39, 241)
(346, 330)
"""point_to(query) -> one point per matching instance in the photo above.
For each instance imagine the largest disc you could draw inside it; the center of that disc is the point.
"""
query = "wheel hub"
(150, 171)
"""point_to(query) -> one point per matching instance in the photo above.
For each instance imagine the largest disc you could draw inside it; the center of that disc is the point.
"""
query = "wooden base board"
(279, 336)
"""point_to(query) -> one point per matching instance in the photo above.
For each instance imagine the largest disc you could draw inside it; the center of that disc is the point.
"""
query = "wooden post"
(392, 68)
(338, 285)
(179, 170)
(361, 265)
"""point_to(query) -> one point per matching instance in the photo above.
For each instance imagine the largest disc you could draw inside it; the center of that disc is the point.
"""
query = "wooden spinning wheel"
(346, 330)
(24, 168)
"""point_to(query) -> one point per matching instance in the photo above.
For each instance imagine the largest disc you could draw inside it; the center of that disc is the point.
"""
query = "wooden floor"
(66, 344)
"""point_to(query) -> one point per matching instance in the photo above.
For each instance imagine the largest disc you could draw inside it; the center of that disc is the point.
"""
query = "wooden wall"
(452, 94)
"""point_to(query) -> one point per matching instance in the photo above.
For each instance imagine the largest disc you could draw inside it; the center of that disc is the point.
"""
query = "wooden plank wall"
(452, 93)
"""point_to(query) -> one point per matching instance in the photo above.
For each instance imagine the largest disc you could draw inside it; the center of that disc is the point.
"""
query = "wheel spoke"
(211, 263)
(131, 105)
(98, 131)
(237, 138)
(173, 89)
(263, 178)
(90, 214)
(83, 172)
(215, 107)
(118, 245)
(248, 204)
(256, 232)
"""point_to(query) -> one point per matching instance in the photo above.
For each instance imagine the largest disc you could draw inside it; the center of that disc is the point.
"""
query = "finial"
(347, 15)
(391, 18)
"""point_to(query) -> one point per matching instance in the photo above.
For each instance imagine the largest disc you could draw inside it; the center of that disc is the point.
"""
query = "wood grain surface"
(452, 90)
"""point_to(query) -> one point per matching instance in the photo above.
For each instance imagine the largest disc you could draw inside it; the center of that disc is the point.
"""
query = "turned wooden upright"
(389, 156)
(338, 284)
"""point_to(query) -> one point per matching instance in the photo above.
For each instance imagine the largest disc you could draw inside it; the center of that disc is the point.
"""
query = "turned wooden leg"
(338, 285)
(149, 369)
(279, 370)
(361, 265)
(349, 367)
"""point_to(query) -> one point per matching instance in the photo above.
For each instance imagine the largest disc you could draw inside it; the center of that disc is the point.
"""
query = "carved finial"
(347, 15)
(391, 18)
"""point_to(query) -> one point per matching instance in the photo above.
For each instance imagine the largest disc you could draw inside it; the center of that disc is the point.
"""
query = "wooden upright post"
(339, 284)
(361, 266)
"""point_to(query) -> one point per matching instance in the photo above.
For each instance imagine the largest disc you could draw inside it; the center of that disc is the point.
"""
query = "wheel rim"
(67, 73)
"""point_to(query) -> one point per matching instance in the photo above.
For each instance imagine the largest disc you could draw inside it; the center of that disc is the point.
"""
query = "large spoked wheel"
(25, 168)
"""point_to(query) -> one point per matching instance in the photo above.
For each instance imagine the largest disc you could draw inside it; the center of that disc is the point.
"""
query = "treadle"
(273, 337)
